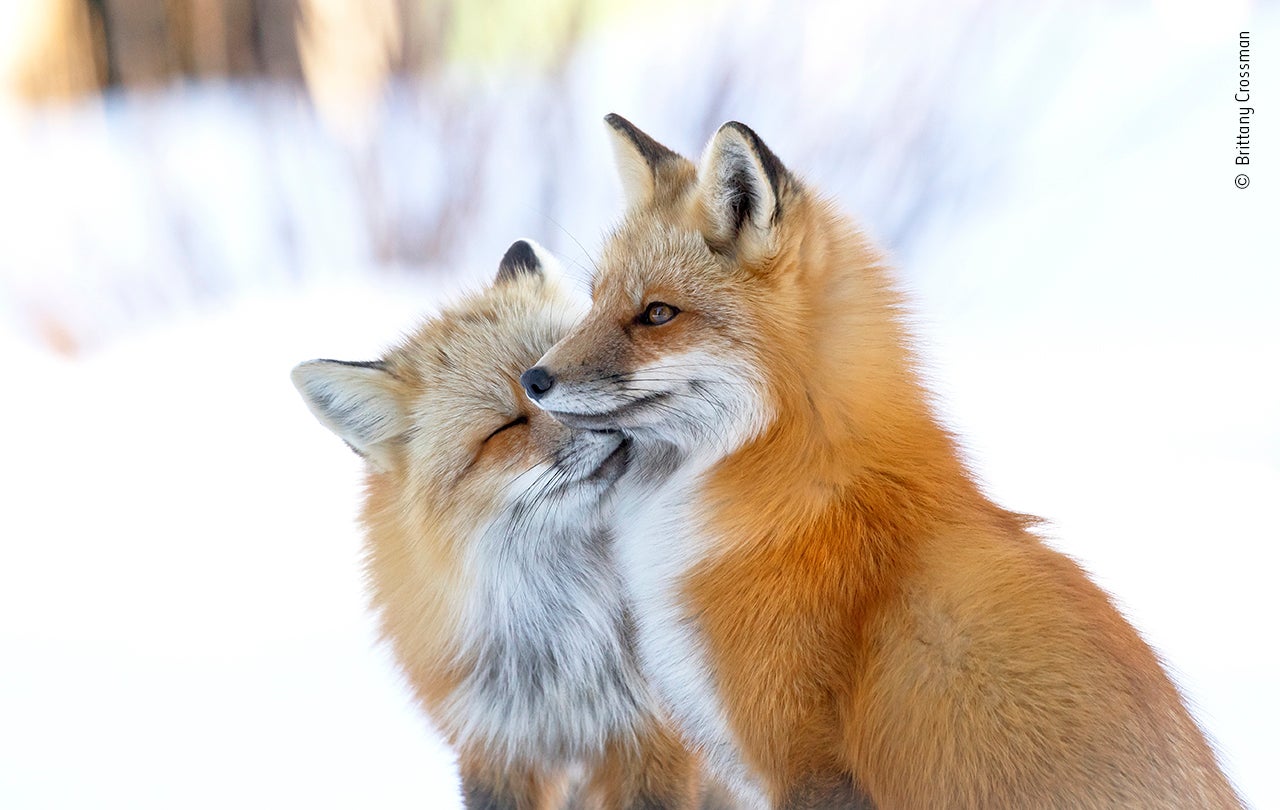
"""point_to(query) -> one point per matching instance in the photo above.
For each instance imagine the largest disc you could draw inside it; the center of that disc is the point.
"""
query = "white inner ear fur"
(731, 168)
(634, 171)
(548, 264)
(570, 295)
(358, 403)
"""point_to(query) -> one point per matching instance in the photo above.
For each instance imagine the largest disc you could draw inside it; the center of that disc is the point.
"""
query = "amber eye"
(658, 313)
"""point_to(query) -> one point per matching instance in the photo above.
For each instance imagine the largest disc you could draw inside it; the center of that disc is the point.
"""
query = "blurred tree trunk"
(61, 57)
(141, 47)
(275, 39)
(79, 47)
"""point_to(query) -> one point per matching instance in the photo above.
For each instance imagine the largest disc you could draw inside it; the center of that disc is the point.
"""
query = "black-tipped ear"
(640, 159)
(742, 185)
(520, 259)
(357, 401)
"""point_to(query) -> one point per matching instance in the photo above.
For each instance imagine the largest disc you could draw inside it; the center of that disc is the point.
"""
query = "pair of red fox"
(705, 543)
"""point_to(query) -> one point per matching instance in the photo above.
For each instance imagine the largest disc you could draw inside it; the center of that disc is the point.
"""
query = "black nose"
(536, 382)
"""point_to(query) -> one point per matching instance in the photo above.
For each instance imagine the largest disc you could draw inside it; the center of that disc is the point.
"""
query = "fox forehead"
(460, 381)
(648, 263)
(646, 256)
(476, 350)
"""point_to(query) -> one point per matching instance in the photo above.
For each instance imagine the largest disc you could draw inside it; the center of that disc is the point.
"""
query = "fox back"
(824, 598)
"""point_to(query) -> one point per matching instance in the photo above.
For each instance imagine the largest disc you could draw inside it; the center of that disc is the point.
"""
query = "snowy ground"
(180, 601)
(181, 615)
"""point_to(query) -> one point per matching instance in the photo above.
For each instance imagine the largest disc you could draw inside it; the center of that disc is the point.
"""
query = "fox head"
(730, 300)
(442, 423)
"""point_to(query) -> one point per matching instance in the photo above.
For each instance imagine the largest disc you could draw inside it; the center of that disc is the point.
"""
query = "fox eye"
(658, 313)
(519, 420)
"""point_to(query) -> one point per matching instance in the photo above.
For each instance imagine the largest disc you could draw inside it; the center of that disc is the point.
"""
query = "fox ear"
(526, 257)
(519, 260)
(357, 401)
(741, 185)
(641, 160)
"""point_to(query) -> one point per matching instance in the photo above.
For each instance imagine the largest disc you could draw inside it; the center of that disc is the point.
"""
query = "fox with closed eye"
(488, 555)
(825, 600)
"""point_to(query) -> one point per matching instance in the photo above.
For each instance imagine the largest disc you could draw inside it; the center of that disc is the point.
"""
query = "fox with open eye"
(488, 555)
(825, 599)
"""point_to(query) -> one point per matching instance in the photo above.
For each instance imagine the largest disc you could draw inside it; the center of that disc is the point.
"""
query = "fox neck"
(853, 434)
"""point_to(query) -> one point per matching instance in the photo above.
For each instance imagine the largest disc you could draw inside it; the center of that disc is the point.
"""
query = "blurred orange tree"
(64, 49)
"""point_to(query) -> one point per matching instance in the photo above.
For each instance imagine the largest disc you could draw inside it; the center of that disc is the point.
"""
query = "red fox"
(488, 555)
(825, 600)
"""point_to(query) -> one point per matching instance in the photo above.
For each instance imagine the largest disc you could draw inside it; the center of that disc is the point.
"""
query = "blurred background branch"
(159, 154)
(351, 135)
(69, 49)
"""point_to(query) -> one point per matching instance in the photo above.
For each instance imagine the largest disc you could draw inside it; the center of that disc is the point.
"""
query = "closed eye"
(519, 420)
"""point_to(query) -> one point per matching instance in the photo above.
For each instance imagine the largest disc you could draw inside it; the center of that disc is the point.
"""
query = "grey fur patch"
(552, 674)
(655, 462)
(478, 796)
(551, 671)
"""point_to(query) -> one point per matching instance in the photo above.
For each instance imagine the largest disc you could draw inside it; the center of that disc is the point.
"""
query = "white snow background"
(182, 622)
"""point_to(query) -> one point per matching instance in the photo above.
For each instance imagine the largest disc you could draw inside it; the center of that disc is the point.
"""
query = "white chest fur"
(658, 541)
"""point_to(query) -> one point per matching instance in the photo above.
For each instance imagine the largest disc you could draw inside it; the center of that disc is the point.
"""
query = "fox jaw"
(484, 527)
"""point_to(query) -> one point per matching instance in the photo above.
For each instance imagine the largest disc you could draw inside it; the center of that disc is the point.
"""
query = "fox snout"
(537, 381)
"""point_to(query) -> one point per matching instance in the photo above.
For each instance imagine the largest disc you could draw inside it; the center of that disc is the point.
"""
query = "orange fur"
(660, 769)
(870, 616)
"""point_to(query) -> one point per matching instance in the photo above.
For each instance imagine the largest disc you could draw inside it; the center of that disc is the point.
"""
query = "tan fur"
(662, 768)
(443, 481)
(455, 379)
(869, 613)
